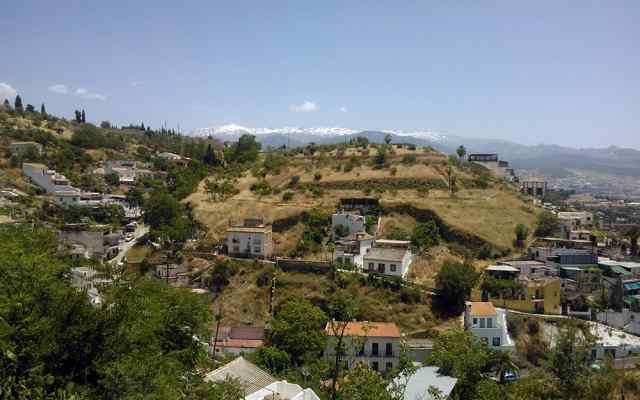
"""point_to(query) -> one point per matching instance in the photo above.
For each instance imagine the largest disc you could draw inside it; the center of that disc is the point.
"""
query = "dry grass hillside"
(490, 214)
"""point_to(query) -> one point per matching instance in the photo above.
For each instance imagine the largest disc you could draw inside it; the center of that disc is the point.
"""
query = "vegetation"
(546, 224)
(454, 283)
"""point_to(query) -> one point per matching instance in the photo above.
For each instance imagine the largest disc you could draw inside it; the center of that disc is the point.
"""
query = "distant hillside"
(550, 160)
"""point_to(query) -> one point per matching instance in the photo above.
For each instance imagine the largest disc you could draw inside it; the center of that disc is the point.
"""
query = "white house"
(350, 222)
(283, 390)
(488, 324)
(376, 344)
(252, 239)
(416, 386)
(573, 221)
(47, 179)
(351, 249)
(79, 198)
(394, 261)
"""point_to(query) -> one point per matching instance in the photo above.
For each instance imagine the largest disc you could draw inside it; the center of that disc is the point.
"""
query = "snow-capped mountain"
(233, 130)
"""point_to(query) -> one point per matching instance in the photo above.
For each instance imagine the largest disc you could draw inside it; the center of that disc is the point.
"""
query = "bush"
(533, 327)
(393, 171)
(409, 159)
(264, 278)
(410, 295)
(317, 177)
(261, 188)
(287, 196)
(294, 180)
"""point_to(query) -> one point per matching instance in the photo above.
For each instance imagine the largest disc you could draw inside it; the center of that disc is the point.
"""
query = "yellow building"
(536, 295)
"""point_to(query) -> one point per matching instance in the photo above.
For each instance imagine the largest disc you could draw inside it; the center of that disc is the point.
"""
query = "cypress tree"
(43, 111)
(7, 105)
(142, 126)
(18, 104)
(78, 116)
(83, 117)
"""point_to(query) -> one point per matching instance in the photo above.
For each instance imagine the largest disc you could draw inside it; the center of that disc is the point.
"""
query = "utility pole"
(272, 295)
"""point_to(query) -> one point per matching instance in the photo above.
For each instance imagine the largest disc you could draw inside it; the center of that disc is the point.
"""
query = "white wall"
(353, 356)
(401, 267)
(353, 222)
(250, 243)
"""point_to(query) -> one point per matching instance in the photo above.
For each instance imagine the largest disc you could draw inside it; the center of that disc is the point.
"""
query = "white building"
(85, 278)
(394, 261)
(351, 223)
(351, 249)
(283, 390)
(79, 198)
(574, 221)
(416, 386)
(252, 239)
(47, 179)
(376, 344)
(488, 324)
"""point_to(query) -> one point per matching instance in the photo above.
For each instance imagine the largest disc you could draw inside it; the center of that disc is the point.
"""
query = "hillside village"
(316, 272)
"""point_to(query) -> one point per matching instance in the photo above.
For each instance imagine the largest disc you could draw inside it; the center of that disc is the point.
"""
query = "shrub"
(287, 196)
(409, 159)
(393, 171)
(261, 188)
(410, 295)
(264, 278)
(533, 327)
(294, 180)
(317, 177)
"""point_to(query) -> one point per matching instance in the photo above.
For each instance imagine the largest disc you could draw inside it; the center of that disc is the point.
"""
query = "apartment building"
(251, 239)
(488, 325)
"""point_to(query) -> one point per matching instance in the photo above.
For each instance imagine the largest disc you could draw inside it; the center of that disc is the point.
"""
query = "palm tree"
(502, 362)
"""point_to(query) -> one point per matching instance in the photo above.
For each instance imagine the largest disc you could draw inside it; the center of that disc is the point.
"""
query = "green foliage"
(454, 283)
(363, 383)
(409, 159)
(461, 151)
(217, 277)
(273, 359)
(341, 230)
(245, 150)
(54, 344)
(287, 196)
(274, 162)
(91, 137)
(220, 190)
(522, 232)
(185, 180)
(298, 329)
(546, 224)
(459, 354)
(425, 235)
(380, 159)
(410, 295)
(261, 188)
(315, 229)
(167, 217)
(112, 179)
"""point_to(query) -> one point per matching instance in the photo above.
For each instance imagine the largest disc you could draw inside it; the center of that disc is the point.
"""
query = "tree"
(7, 105)
(341, 311)
(451, 180)
(105, 125)
(459, 354)
(341, 230)
(454, 283)
(546, 224)
(425, 235)
(210, 156)
(217, 277)
(246, 150)
(298, 329)
(30, 108)
(380, 159)
(43, 110)
(275, 360)
(633, 234)
(167, 217)
(522, 232)
(78, 116)
(363, 383)
(461, 151)
(17, 105)
(112, 179)
(83, 117)
(387, 138)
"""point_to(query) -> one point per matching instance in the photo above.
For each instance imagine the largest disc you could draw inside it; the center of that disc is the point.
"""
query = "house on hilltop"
(488, 324)
(388, 260)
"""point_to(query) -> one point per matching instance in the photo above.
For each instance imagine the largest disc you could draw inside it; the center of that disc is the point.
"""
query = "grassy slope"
(491, 214)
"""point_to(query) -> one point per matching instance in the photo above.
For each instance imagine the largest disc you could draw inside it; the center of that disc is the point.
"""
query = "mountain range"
(549, 160)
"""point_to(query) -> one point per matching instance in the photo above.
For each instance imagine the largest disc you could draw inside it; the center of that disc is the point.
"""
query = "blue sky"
(532, 72)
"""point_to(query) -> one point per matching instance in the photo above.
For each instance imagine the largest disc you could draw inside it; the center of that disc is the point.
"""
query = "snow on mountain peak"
(235, 129)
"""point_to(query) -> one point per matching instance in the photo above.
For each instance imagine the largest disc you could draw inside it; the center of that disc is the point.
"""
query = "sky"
(537, 72)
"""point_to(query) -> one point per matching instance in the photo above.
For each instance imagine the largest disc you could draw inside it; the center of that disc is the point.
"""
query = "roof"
(392, 243)
(239, 343)
(368, 329)
(416, 385)
(386, 253)
(481, 308)
(517, 263)
(244, 229)
(502, 268)
(631, 285)
(251, 377)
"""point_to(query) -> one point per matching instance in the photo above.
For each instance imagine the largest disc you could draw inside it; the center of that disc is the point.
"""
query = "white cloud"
(307, 106)
(7, 91)
(344, 109)
(82, 92)
(59, 88)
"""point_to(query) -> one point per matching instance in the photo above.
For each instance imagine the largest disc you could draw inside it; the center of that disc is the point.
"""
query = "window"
(257, 250)
(374, 349)
(361, 351)
(235, 240)
(371, 266)
(489, 322)
(393, 267)
(388, 351)
(381, 268)
(388, 366)
(496, 342)
(475, 321)
(374, 365)
(481, 322)
(236, 249)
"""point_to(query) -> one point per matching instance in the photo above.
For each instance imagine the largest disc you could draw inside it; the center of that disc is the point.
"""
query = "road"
(125, 246)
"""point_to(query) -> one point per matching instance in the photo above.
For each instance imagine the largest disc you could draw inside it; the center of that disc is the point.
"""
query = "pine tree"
(78, 116)
(210, 156)
(43, 111)
(7, 105)
(142, 126)
(83, 117)
(18, 104)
